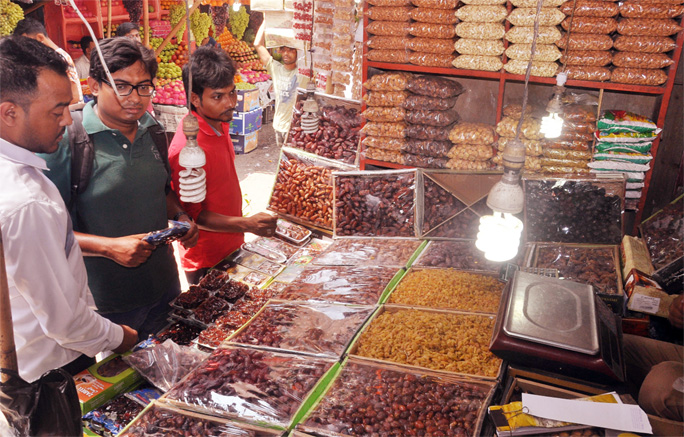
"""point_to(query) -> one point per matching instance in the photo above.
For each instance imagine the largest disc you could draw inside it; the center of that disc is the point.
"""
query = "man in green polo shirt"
(128, 194)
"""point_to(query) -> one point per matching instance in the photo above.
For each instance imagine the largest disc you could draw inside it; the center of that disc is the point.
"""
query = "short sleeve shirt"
(285, 86)
(71, 71)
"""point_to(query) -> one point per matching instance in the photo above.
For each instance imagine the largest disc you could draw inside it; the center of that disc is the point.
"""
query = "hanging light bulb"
(499, 236)
(552, 124)
(193, 180)
(310, 117)
(236, 5)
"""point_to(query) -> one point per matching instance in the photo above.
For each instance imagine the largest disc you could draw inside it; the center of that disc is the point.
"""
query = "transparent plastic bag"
(644, 44)
(431, 30)
(637, 9)
(641, 60)
(389, 13)
(463, 164)
(434, 86)
(566, 145)
(431, 59)
(436, 4)
(563, 162)
(583, 127)
(526, 16)
(459, 255)
(524, 34)
(533, 3)
(586, 41)
(471, 152)
(482, 14)
(430, 46)
(388, 42)
(393, 56)
(422, 161)
(432, 15)
(384, 113)
(578, 114)
(590, 8)
(483, 2)
(542, 69)
(579, 155)
(591, 25)
(593, 58)
(625, 122)
(432, 118)
(386, 143)
(425, 132)
(415, 101)
(530, 128)
(384, 155)
(386, 252)
(515, 110)
(569, 135)
(480, 47)
(481, 31)
(532, 147)
(394, 3)
(543, 52)
(437, 149)
(388, 28)
(591, 265)
(475, 62)
(638, 76)
(377, 129)
(472, 133)
(394, 81)
(647, 27)
(385, 98)
(581, 72)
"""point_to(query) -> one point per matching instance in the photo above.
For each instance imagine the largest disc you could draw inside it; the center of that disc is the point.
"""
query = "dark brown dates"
(439, 205)
(590, 265)
(461, 255)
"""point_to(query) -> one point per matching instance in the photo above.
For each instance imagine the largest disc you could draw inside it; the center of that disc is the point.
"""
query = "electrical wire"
(187, 29)
(567, 36)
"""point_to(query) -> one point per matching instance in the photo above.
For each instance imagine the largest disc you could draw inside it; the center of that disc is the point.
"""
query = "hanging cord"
(187, 29)
(533, 50)
(567, 41)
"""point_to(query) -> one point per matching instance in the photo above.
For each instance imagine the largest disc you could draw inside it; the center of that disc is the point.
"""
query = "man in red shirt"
(219, 216)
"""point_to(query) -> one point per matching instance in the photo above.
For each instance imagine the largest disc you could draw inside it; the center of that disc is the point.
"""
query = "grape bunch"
(219, 14)
(134, 9)
(244, 86)
(238, 22)
(176, 14)
(199, 25)
(10, 15)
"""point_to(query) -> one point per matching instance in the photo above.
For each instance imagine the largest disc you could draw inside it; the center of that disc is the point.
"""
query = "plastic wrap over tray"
(439, 204)
(368, 252)
(460, 255)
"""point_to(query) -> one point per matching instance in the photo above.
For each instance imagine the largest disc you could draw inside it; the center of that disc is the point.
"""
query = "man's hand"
(130, 251)
(130, 339)
(190, 239)
(262, 224)
(676, 316)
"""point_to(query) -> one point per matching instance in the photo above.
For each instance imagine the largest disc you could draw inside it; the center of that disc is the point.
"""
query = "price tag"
(644, 304)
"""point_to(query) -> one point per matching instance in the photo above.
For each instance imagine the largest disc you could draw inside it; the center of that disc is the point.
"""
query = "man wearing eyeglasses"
(128, 193)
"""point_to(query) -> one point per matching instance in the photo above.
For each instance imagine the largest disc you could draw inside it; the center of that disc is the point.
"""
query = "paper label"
(644, 304)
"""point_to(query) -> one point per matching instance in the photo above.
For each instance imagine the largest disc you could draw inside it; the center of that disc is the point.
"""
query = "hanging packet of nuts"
(543, 52)
(482, 14)
(483, 2)
(471, 152)
(644, 44)
(437, 149)
(416, 101)
(539, 68)
(533, 3)
(388, 42)
(472, 133)
(648, 27)
(481, 47)
(525, 34)
(384, 155)
(638, 9)
(475, 62)
(586, 41)
(581, 72)
(393, 56)
(389, 13)
(393, 3)
(590, 8)
(481, 30)
(641, 60)
(592, 58)
(515, 110)
(388, 28)
(385, 98)
(395, 81)
(384, 113)
(563, 162)
(431, 30)
(436, 4)
(422, 161)
(432, 118)
(566, 145)
(434, 86)
(579, 155)
(377, 129)
(432, 15)
(526, 16)
(426, 46)
(590, 25)
(532, 147)
(508, 126)
(425, 132)
(432, 59)
(638, 76)
(386, 143)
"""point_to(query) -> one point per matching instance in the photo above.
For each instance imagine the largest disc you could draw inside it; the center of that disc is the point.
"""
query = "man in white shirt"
(52, 308)
(82, 64)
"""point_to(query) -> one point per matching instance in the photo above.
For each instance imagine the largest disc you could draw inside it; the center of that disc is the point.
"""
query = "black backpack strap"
(82, 156)
(161, 141)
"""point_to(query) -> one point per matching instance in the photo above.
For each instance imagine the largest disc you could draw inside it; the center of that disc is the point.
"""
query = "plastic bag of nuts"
(384, 113)
(471, 152)
(567, 154)
(586, 41)
(432, 118)
(482, 14)
(480, 30)
(533, 3)
(393, 56)
(431, 15)
(432, 59)
(525, 34)
(385, 98)
(465, 164)
(515, 110)
(647, 27)
(581, 72)
(579, 126)
(388, 28)
(386, 143)
(644, 44)
(543, 52)
(389, 13)
(426, 46)
(475, 62)
(434, 86)
(388, 42)
(375, 203)
(590, 8)
(566, 145)
(431, 30)
(394, 3)
(637, 9)
(563, 162)
(416, 101)
(641, 60)
(436, 4)
(638, 76)
(395, 81)
(384, 155)
(592, 58)
(437, 149)
(422, 161)
(532, 147)
(482, 47)
(425, 132)
(472, 133)
(591, 25)
(483, 2)
(539, 68)
(526, 16)
(508, 126)
(378, 129)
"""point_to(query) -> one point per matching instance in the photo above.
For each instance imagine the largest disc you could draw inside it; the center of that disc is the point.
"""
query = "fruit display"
(168, 4)
(82, 6)
(251, 76)
(159, 28)
(10, 15)
(219, 15)
(240, 51)
(170, 92)
(238, 21)
(176, 14)
(134, 9)
(168, 70)
(199, 25)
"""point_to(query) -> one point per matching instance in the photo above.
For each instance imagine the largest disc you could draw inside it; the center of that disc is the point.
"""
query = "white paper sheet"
(612, 416)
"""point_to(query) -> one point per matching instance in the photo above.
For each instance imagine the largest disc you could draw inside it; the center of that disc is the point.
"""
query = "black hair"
(211, 68)
(21, 61)
(125, 28)
(85, 43)
(120, 53)
(29, 27)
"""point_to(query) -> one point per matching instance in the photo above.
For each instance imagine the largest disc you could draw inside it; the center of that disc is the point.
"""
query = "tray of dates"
(375, 204)
(663, 233)
(340, 284)
(305, 327)
(291, 232)
(113, 416)
(259, 386)
(460, 255)
(448, 289)
(161, 419)
(350, 251)
(427, 338)
(369, 398)
(182, 333)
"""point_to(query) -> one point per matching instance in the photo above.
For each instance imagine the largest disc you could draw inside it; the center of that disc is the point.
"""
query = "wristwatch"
(179, 214)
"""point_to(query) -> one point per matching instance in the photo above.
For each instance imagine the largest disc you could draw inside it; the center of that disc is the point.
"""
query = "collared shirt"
(126, 195)
(82, 65)
(71, 71)
(223, 194)
(52, 308)
(285, 86)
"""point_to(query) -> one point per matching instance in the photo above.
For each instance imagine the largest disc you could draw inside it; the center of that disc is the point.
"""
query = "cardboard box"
(247, 100)
(103, 381)
(646, 295)
(245, 143)
(244, 123)
(634, 255)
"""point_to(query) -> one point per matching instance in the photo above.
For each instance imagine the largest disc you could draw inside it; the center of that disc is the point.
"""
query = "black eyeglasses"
(125, 89)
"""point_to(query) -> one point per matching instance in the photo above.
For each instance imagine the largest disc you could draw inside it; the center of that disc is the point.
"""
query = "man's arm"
(261, 50)
(129, 251)
(263, 224)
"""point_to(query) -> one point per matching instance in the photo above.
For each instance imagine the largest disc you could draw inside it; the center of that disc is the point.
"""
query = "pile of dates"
(664, 234)
(257, 385)
(366, 400)
(439, 205)
(590, 265)
(461, 255)
(337, 136)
